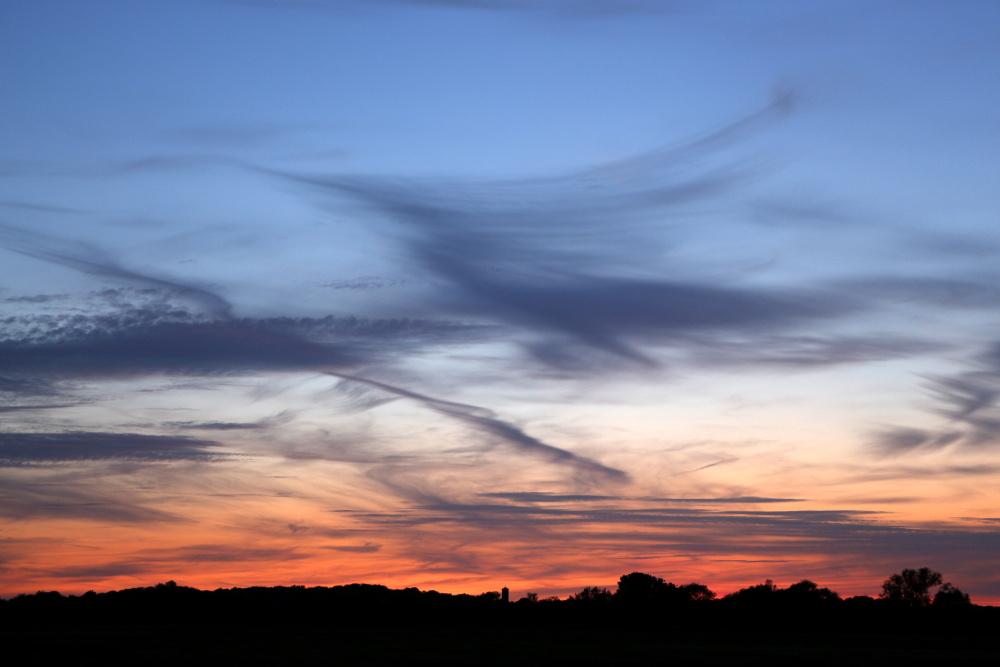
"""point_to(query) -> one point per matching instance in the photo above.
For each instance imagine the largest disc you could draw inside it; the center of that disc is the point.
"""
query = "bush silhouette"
(949, 596)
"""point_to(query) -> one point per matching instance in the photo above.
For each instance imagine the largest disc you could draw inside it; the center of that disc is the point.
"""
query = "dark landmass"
(646, 621)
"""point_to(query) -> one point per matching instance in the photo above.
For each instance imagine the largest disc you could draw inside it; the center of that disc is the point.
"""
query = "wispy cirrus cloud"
(545, 497)
(367, 548)
(805, 351)
(75, 498)
(571, 258)
(150, 562)
(91, 260)
(166, 339)
(970, 404)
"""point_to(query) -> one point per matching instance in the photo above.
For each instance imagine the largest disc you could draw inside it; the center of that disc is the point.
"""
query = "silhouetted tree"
(696, 592)
(642, 588)
(592, 594)
(807, 591)
(760, 594)
(949, 596)
(911, 587)
(639, 587)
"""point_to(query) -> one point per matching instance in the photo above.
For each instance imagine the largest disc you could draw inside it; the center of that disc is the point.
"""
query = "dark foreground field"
(354, 645)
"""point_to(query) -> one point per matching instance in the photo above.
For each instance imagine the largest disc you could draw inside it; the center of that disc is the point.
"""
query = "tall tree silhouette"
(911, 587)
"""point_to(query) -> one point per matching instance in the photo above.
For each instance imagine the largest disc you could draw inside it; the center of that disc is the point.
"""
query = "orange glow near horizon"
(275, 508)
(451, 549)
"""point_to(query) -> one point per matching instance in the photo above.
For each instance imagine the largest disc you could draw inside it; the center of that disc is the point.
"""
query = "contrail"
(710, 465)
(486, 420)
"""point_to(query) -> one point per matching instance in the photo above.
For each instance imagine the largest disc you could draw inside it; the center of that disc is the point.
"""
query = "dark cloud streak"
(970, 403)
(485, 420)
(18, 449)
(557, 256)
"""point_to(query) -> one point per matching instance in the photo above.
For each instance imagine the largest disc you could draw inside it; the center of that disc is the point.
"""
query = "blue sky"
(461, 294)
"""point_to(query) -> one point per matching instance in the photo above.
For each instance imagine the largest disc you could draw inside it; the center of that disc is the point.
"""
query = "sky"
(463, 294)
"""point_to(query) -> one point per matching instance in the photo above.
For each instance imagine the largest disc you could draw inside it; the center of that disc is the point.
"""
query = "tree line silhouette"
(916, 620)
(907, 598)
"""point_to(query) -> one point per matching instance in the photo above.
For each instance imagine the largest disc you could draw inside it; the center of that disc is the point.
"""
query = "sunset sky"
(463, 294)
